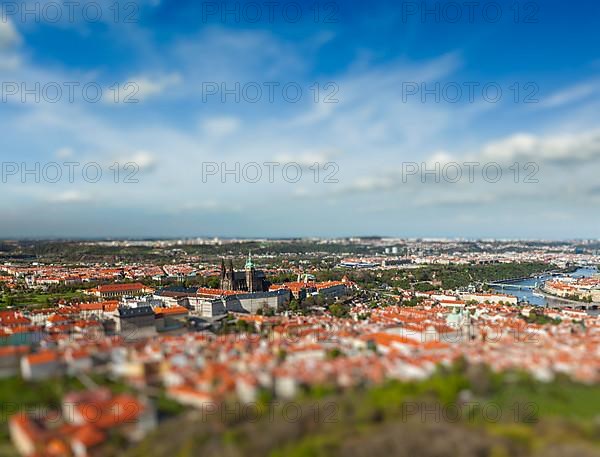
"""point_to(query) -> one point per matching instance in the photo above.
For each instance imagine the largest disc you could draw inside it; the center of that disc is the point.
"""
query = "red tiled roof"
(42, 357)
(171, 310)
(91, 306)
(89, 436)
(121, 287)
(8, 351)
(217, 292)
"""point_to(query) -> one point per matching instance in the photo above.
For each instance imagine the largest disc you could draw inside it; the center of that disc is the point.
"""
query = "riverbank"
(534, 294)
(566, 301)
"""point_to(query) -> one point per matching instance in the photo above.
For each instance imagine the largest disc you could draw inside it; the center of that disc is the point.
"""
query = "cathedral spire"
(251, 282)
(249, 264)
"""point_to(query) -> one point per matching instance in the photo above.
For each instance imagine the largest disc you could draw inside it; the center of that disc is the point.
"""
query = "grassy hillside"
(466, 411)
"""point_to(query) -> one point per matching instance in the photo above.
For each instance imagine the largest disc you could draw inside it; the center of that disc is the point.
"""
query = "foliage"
(17, 394)
(339, 310)
(538, 317)
(433, 277)
(399, 418)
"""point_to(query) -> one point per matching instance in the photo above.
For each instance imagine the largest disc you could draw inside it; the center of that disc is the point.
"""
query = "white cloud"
(71, 196)
(144, 160)
(565, 165)
(564, 147)
(211, 206)
(64, 153)
(220, 126)
(145, 87)
(571, 94)
(9, 36)
(307, 159)
(9, 62)
(369, 133)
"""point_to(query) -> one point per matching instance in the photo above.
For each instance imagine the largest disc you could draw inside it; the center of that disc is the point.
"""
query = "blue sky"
(364, 57)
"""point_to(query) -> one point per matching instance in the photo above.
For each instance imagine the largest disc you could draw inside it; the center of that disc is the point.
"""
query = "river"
(534, 297)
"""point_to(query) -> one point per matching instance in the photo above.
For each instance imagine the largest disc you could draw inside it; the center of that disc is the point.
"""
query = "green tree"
(213, 282)
(338, 310)
(294, 305)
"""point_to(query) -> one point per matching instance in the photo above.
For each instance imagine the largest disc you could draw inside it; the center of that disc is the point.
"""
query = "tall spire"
(249, 263)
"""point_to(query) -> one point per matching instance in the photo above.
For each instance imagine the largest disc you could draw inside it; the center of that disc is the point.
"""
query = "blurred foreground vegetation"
(461, 411)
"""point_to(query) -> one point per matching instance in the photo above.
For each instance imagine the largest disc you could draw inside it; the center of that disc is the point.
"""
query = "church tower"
(222, 274)
(230, 276)
(227, 275)
(250, 276)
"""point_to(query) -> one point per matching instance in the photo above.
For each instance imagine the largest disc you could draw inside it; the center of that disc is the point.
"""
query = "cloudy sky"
(300, 119)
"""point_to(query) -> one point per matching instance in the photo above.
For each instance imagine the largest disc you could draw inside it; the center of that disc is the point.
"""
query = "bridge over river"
(502, 285)
(531, 289)
(525, 282)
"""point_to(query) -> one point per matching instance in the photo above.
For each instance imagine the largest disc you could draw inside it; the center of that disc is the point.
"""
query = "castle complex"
(251, 279)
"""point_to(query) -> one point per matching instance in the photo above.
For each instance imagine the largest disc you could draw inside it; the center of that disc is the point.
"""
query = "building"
(333, 289)
(133, 417)
(192, 397)
(120, 290)
(41, 365)
(170, 318)
(489, 298)
(301, 290)
(207, 307)
(10, 359)
(257, 301)
(135, 322)
(88, 419)
(218, 305)
(249, 280)
(175, 296)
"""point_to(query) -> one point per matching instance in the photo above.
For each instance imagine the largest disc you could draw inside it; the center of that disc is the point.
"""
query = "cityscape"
(108, 345)
(321, 228)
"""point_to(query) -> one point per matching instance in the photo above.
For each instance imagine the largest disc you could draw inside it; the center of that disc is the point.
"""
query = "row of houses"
(580, 289)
